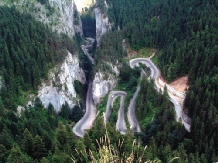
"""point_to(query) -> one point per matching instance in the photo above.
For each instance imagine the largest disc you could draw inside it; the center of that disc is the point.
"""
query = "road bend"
(176, 100)
(87, 120)
(120, 124)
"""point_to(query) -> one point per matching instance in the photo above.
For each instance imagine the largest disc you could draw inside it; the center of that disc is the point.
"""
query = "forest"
(28, 49)
(185, 35)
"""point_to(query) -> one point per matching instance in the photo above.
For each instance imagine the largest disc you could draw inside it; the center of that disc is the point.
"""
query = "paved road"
(85, 48)
(134, 125)
(154, 71)
(87, 120)
(176, 100)
(90, 115)
(120, 124)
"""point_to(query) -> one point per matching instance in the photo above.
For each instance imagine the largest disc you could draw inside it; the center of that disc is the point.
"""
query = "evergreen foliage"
(88, 24)
(110, 50)
(28, 49)
(186, 33)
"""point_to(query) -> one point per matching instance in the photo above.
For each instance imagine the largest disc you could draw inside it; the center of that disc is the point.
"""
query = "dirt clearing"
(180, 84)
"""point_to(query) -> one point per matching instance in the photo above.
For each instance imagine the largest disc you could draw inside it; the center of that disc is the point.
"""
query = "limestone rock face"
(102, 23)
(65, 18)
(104, 82)
(61, 15)
(60, 86)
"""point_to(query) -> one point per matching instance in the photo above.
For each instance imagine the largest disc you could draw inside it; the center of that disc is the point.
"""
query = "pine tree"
(38, 148)
(16, 156)
(3, 153)
(1, 107)
(65, 111)
(28, 142)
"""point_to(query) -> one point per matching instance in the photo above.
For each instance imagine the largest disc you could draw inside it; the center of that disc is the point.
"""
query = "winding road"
(120, 124)
(154, 71)
(87, 120)
(134, 125)
(176, 97)
(89, 43)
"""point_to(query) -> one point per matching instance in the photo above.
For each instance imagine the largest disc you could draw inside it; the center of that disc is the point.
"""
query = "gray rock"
(102, 23)
(59, 88)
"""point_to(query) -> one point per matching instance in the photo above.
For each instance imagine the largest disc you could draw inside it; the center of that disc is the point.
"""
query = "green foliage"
(88, 24)
(102, 105)
(156, 117)
(28, 50)
(110, 147)
(110, 50)
(86, 66)
(2, 108)
(70, 114)
(65, 111)
(34, 135)
(128, 75)
(16, 156)
(186, 33)
(80, 88)
(127, 81)
(3, 153)
(114, 112)
(43, 1)
(28, 142)
(76, 114)
(38, 148)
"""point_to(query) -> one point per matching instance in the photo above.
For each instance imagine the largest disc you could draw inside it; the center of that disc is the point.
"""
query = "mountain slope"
(185, 32)
(28, 51)
(61, 15)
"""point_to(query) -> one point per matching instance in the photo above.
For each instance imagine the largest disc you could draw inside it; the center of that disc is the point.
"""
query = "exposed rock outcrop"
(104, 82)
(102, 23)
(63, 18)
(19, 110)
(61, 15)
(59, 88)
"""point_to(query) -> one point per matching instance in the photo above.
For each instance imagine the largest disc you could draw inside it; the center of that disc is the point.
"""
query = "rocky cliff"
(102, 22)
(104, 81)
(60, 86)
(61, 15)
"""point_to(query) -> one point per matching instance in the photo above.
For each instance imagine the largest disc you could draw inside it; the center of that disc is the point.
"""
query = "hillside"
(45, 67)
(29, 50)
(184, 32)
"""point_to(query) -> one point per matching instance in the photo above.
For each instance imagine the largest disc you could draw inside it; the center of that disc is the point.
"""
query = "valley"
(108, 81)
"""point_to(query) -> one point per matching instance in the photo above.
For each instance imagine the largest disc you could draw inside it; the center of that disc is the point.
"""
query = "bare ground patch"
(131, 53)
(180, 84)
(143, 53)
